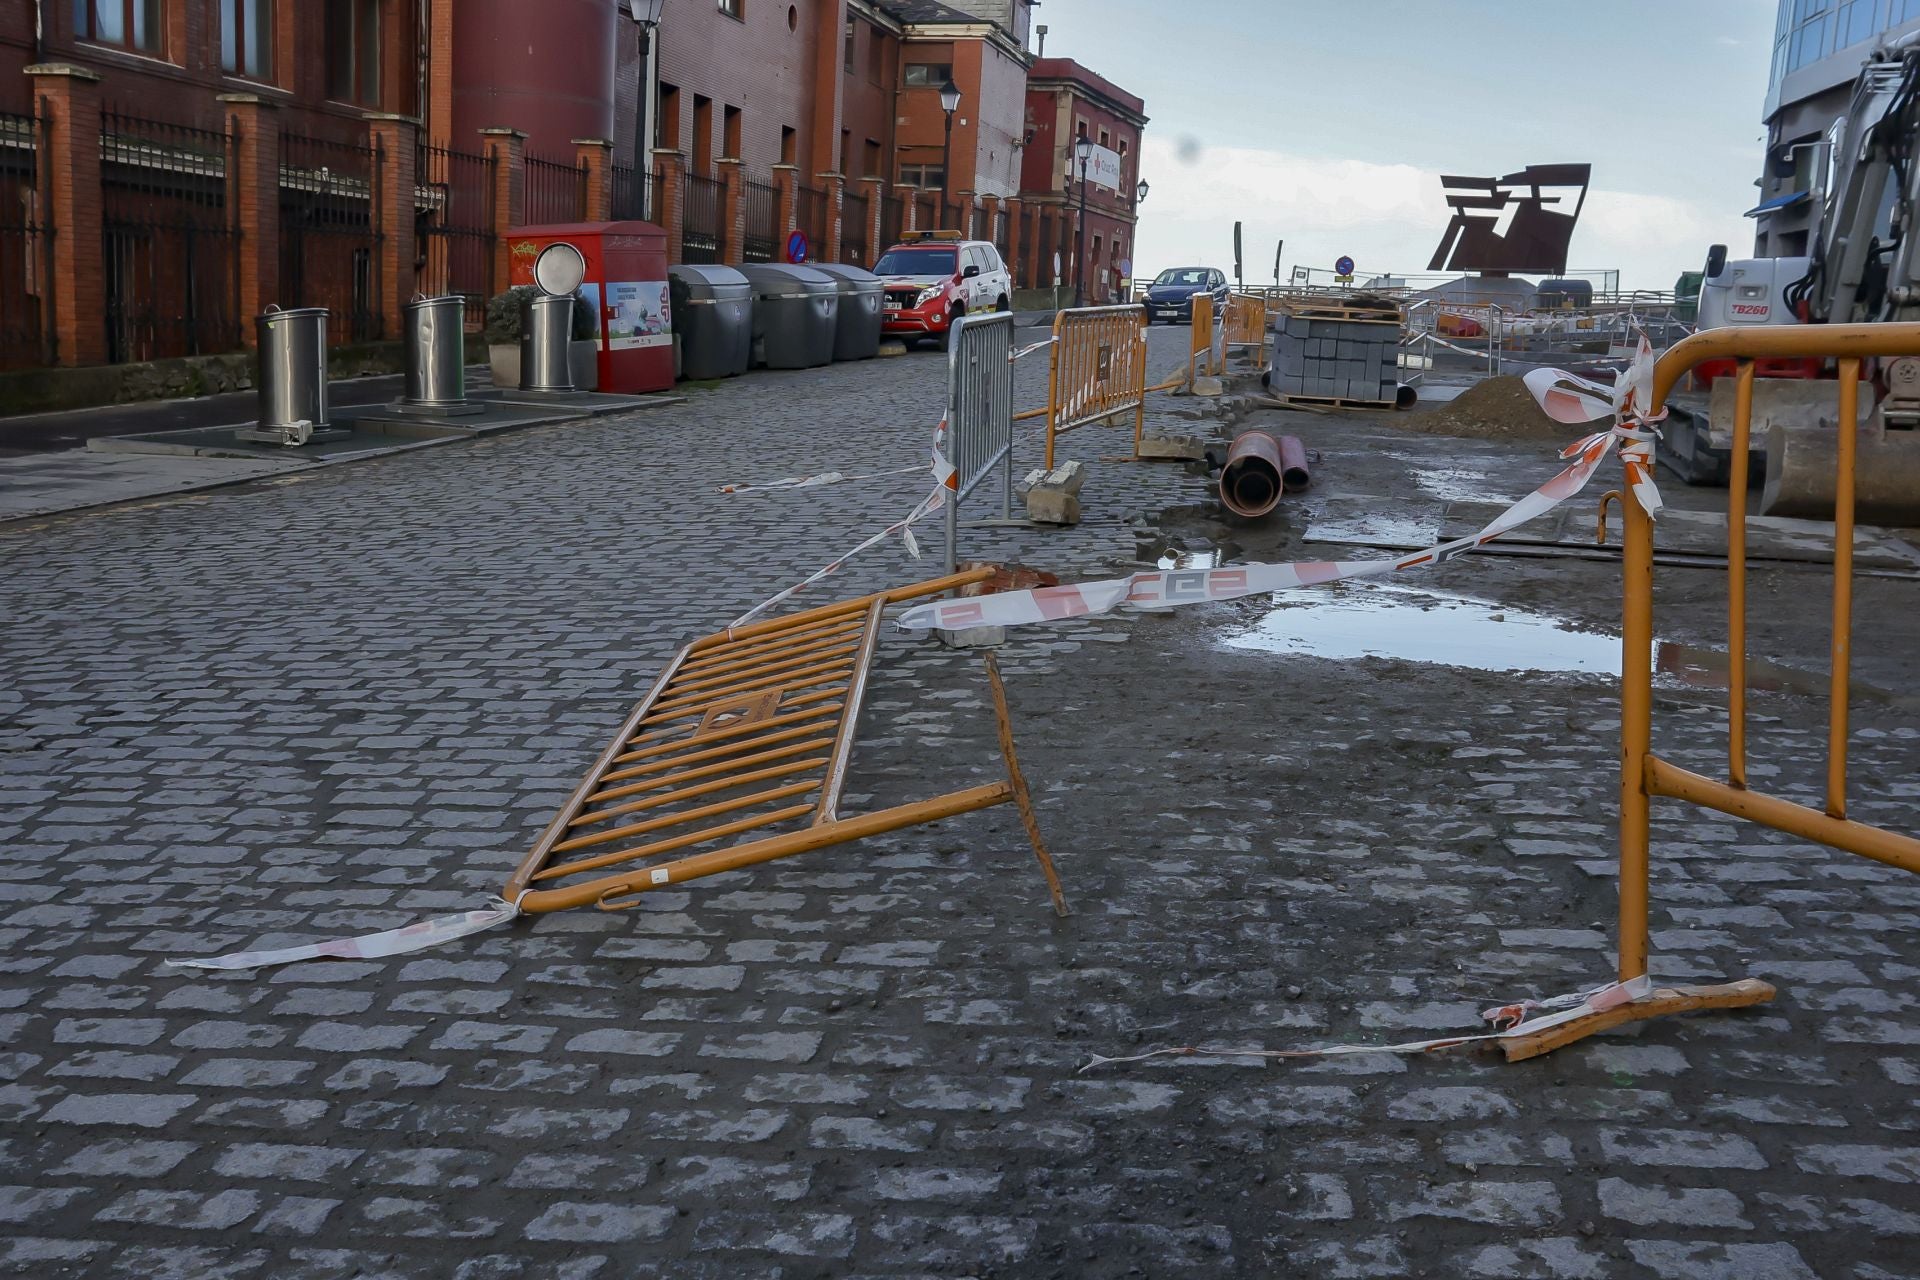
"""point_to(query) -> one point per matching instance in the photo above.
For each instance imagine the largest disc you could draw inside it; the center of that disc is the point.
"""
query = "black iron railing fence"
(702, 205)
(856, 215)
(453, 221)
(763, 225)
(167, 239)
(556, 191)
(26, 248)
(330, 232)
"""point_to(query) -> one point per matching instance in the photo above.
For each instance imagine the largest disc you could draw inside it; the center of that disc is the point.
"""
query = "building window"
(927, 177)
(789, 143)
(132, 24)
(928, 74)
(734, 8)
(246, 37)
(702, 135)
(668, 130)
(353, 51)
(846, 55)
(871, 165)
(730, 134)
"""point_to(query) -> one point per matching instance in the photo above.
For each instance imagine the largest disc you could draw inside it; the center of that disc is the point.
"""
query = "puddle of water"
(1189, 560)
(1456, 484)
(1378, 620)
(1384, 620)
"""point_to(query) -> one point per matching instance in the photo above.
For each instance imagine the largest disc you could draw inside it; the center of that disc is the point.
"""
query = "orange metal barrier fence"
(1247, 325)
(745, 730)
(1644, 775)
(1098, 369)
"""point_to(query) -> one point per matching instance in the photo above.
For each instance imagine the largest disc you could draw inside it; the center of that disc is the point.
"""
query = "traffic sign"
(797, 247)
(1343, 267)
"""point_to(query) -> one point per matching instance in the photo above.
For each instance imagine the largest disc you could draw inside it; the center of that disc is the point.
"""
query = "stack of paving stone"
(1331, 352)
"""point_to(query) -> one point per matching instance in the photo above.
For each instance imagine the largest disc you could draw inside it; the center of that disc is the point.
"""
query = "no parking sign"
(797, 247)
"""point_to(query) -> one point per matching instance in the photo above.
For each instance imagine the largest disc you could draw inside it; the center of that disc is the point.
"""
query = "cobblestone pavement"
(336, 702)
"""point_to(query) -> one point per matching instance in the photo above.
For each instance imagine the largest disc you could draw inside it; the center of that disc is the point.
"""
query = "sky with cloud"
(1328, 125)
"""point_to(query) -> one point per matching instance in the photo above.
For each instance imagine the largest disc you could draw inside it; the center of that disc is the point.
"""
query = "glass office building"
(1818, 46)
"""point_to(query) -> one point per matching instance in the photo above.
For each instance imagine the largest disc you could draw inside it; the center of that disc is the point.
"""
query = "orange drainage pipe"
(1259, 469)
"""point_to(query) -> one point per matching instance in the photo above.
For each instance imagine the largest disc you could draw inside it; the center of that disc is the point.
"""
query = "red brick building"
(1067, 102)
(171, 168)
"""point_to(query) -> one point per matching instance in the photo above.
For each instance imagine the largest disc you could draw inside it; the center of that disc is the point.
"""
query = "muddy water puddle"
(1385, 620)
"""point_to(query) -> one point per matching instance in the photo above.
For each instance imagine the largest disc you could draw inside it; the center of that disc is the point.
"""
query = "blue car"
(1170, 296)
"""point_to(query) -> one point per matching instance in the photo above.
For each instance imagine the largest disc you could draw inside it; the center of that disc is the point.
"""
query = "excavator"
(1863, 265)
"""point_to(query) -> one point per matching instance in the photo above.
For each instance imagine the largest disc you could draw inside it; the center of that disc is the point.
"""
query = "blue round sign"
(1344, 266)
(797, 247)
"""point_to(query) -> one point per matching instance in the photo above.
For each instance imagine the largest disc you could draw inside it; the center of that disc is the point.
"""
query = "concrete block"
(1208, 386)
(1161, 443)
(973, 637)
(1053, 506)
(1344, 349)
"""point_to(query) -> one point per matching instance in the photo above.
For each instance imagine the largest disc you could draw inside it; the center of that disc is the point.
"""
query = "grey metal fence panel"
(979, 414)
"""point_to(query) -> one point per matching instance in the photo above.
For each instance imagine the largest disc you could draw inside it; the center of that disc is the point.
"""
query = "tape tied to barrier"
(1510, 1022)
(1565, 397)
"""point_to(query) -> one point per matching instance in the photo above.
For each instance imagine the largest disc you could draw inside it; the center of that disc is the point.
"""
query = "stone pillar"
(909, 208)
(669, 193)
(733, 212)
(786, 208)
(69, 173)
(253, 194)
(506, 151)
(876, 219)
(595, 156)
(835, 185)
(394, 139)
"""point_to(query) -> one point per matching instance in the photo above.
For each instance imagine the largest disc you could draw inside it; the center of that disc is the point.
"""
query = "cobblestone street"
(337, 702)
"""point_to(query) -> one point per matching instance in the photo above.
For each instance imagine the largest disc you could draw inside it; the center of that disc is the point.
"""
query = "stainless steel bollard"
(436, 334)
(293, 372)
(546, 342)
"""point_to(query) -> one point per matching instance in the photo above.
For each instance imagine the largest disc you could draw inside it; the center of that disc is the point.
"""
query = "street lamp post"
(1083, 152)
(647, 14)
(949, 103)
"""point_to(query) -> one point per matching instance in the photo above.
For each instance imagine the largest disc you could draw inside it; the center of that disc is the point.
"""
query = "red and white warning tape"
(372, 946)
(1565, 397)
(815, 481)
(1509, 1020)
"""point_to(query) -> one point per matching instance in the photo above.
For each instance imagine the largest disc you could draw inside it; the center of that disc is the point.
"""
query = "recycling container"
(546, 342)
(713, 318)
(862, 299)
(436, 336)
(293, 367)
(621, 270)
(796, 314)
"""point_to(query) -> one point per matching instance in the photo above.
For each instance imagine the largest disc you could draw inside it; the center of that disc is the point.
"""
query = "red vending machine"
(621, 270)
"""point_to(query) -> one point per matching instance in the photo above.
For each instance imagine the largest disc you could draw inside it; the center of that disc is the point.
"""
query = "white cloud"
(1388, 217)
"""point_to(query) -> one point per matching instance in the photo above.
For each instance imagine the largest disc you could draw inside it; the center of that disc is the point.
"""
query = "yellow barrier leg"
(1636, 732)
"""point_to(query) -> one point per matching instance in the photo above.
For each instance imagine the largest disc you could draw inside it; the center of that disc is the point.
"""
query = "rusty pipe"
(1294, 477)
(1250, 482)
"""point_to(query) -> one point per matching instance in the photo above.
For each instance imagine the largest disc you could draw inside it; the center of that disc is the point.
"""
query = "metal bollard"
(436, 357)
(546, 343)
(293, 378)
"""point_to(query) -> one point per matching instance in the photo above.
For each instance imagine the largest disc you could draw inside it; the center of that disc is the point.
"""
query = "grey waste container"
(713, 318)
(796, 311)
(857, 333)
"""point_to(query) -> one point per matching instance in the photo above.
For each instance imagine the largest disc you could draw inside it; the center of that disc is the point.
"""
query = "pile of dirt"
(1496, 409)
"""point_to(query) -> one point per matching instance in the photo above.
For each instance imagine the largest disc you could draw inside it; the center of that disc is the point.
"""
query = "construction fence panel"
(738, 755)
(1645, 775)
(26, 242)
(330, 233)
(979, 415)
(703, 209)
(453, 220)
(1200, 351)
(168, 239)
(1099, 370)
(1246, 325)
